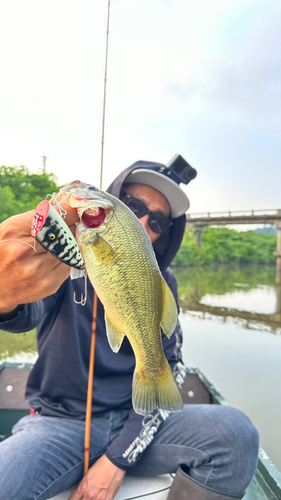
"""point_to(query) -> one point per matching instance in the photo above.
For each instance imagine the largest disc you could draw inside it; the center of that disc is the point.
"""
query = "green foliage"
(221, 245)
(21, 190)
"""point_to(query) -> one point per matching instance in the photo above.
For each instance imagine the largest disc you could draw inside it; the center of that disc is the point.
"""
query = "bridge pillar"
(278, 252)
(199, 231)
(277, 315)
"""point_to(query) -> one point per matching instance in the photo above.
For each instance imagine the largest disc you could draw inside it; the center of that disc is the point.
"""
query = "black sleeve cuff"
(115, 462)
(11, 315)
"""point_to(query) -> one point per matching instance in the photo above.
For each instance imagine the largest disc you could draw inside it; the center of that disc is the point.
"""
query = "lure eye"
(51, 236)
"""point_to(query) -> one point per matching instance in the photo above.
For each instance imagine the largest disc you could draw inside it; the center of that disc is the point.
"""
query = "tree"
(221, 245)
(20, 190)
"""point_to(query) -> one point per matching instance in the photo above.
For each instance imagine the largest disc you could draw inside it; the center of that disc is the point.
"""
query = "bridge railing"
(235, 213)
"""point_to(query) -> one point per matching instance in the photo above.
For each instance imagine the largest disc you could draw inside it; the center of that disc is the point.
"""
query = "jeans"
(44, 456)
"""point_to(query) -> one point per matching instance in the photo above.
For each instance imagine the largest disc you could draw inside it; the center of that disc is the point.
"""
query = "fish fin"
(115, 337)
(102, 250)
(169, 311)
(156, 392)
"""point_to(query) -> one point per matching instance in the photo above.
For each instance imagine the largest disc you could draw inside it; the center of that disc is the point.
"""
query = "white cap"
(177, 199)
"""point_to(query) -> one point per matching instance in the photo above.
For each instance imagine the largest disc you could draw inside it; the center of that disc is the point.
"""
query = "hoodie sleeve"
(27, 316)
(139, 431)
(137, 434)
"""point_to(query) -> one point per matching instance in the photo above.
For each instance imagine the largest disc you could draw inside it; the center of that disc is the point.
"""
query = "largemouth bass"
(123, 270)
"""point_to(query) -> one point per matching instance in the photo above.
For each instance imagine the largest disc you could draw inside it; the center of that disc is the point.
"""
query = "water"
(20, 347)
(231, 320)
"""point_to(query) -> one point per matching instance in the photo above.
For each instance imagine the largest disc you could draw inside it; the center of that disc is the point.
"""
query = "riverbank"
(223, 245)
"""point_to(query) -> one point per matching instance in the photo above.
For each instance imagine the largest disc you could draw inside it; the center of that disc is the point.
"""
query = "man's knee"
(231, 441)
(239, 443)
(241, 433)
(33, 460)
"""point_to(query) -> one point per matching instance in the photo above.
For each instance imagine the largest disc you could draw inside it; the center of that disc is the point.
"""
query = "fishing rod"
(94, 320)
(104, 93)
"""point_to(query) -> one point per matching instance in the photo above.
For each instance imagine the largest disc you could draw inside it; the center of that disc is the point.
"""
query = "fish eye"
(51, 236)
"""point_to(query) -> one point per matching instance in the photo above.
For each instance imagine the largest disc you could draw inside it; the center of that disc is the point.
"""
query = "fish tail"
(156, 392)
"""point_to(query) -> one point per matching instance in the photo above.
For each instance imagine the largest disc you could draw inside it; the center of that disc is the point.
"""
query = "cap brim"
(177, 199)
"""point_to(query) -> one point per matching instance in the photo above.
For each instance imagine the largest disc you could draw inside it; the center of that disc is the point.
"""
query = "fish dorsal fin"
(115, 337)
(102, 250)
(169, 311)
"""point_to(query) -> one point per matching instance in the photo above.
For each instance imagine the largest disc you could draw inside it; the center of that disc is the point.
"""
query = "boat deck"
(266, 484)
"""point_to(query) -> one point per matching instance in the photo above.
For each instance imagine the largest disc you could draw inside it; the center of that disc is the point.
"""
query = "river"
(231, 321)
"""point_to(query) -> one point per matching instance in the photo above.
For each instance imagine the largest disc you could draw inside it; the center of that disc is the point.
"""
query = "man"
(216, 447)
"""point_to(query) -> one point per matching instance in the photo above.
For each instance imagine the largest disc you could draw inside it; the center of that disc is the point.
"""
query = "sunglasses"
(157, 221)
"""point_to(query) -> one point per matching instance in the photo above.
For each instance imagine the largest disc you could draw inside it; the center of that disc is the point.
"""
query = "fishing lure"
(51, 232)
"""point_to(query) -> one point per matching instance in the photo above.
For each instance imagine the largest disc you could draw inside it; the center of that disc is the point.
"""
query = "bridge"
(273, 216)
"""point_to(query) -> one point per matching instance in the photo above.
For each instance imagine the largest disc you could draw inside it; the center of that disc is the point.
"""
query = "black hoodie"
(57, 385)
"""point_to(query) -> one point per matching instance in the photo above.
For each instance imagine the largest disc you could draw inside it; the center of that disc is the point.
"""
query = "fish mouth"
(94, 217)
(92, 205)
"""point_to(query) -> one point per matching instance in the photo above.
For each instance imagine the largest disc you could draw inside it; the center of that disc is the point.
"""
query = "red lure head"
(96, 220)
(39, 217)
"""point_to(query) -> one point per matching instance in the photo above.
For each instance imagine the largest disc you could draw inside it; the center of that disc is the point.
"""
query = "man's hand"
(25, 275)
(101, 482)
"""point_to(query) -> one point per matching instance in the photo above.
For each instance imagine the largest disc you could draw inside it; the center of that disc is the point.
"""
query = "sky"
(199, 78)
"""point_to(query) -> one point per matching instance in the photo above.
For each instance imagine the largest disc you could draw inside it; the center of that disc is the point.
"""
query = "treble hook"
(83, 299)
(63, 212)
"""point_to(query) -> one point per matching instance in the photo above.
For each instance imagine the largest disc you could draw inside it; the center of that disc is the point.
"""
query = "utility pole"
(44, 158)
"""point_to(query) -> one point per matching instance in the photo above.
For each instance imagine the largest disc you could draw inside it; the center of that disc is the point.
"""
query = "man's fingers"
(71, 213)
(15, 235)
(19, 226)
(27, 275)
(76, 495)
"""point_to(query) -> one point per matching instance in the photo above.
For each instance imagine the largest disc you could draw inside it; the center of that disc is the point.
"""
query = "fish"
(122, 267)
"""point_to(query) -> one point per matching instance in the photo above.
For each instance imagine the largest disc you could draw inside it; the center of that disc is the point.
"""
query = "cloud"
(251, 86)
(246, 88)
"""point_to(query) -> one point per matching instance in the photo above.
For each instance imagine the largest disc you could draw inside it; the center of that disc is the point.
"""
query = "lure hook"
(83, 299)
(62, 211)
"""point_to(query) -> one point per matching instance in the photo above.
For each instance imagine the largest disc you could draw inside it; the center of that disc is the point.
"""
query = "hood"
(169, 242)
